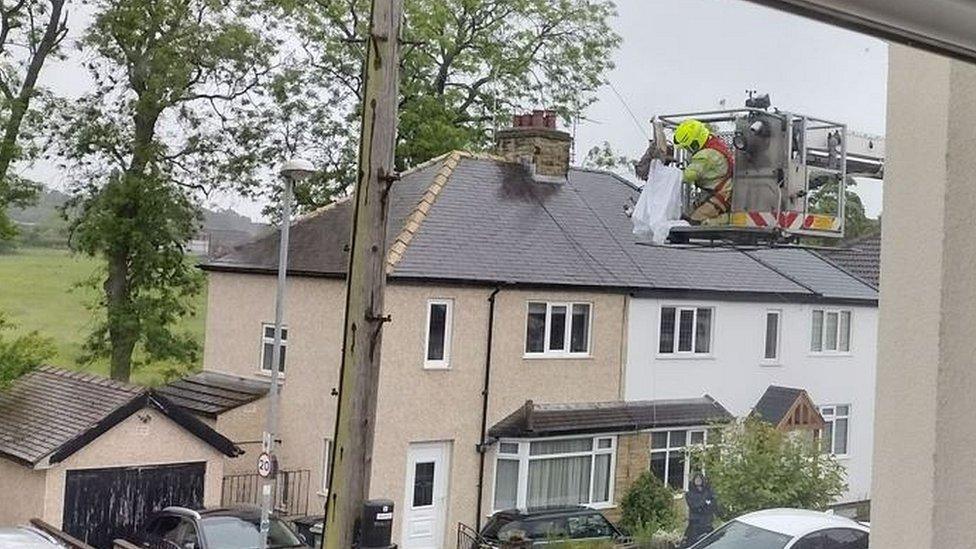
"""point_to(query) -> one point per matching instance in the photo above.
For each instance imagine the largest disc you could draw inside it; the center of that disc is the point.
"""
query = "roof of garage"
(52, 413)
(213, 393)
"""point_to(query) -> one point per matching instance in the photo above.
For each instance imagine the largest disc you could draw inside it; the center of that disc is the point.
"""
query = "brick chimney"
(534, 140)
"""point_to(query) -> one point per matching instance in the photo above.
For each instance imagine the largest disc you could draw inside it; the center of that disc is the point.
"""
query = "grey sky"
(682, 55)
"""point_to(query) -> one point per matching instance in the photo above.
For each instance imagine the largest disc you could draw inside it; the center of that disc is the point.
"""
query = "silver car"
(27, 537)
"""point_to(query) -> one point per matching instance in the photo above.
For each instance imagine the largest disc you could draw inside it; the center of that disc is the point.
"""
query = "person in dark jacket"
(702, 508)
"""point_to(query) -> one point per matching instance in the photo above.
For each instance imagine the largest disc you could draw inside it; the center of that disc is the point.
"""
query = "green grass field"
(39, 291)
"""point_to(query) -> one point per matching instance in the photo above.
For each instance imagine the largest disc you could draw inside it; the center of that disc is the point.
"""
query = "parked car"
(549, 524)
(27, 537)
(237, 528)
(788, 529)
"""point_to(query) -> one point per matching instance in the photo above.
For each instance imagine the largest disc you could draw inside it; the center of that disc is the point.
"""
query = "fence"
(468, 538)
(290, 494)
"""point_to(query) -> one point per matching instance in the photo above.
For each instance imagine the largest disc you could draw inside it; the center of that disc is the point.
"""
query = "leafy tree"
(603, 157)
(856, 221)
(648, 505)
(19, 355)
(157, 134)
(39, 26)
(466, 66)
(758, 467)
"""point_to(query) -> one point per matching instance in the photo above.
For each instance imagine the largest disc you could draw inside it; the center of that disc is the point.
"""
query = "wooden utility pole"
(365, 280)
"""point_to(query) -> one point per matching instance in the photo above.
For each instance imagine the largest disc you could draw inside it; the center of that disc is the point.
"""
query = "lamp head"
(297, 169)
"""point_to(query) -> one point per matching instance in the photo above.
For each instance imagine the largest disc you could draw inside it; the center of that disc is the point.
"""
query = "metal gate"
(104, 504)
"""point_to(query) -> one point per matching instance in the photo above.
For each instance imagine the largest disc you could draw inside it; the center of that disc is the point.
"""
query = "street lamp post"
(291, 171)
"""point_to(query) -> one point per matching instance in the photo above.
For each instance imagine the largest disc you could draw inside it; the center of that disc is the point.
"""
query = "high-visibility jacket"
(711, 169)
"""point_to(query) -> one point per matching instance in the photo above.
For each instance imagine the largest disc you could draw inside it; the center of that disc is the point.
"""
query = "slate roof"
(53, 413)
(541, 420)
(490, 222)
(213, 393)
(861, 257)
(776, 402)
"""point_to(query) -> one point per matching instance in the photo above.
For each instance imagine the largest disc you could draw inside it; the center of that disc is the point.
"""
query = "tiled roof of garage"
(543, 420)
(213, 393)
(476, 219)
(52, 413)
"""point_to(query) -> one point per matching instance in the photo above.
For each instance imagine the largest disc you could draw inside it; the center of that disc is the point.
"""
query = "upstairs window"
(267, 347)
(771, 341)
(830, 331)
(685, 331)
(437, 353)
(557, 329)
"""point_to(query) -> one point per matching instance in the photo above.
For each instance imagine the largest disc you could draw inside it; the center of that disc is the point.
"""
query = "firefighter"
(709, 169)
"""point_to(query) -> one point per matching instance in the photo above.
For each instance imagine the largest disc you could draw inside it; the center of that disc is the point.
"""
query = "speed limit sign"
(266, 465)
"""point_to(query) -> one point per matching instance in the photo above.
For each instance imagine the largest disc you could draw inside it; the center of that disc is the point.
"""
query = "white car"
(788, 529)
(27, 537)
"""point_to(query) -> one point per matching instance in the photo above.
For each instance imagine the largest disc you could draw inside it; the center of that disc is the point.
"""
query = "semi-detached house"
(537, 353)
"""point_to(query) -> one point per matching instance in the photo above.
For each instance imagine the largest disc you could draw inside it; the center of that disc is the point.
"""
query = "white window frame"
(830, 415)
(685, 449)
(524, 459)
(675, 353)
(265, 340)
(775, 360)
(823, 331)
(445, 363)
(326, 454)
(567, 341)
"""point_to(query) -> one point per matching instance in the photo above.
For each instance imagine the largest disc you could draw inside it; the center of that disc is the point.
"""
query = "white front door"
(425, 502)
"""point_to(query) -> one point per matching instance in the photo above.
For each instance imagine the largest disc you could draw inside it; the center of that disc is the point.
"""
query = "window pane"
(535, 330)
(266, 356)
(828, 438)
(697, 437)
(659, 440)
(840, 436)
(686, 320)
(666, 336)
(564, 446)
(844, 538)
(557, 328)
(604, 443)
(830, 332)
(658, 460)
(676, 470)
(703, 331)
(580, 342)
(816, 333)
(269, 331)
(506, 484)
(845, 331)
(677, 439)
(772, 335)
(436, 331)
(326, 464)
(843, 410)
(508, 448)
(423, 484)
(281, 359)
(601, 478)
(559, 481)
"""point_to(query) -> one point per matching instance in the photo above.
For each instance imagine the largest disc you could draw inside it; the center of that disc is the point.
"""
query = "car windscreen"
(739, 535)
(495, 524)
(228, 532)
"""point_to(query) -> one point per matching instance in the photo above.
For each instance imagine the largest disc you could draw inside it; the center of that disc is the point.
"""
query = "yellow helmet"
(691, 134)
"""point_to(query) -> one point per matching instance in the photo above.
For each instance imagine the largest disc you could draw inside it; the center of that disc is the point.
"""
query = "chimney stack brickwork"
(535, 139)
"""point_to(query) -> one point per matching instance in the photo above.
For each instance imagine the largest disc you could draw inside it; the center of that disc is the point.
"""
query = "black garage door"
(105, 504)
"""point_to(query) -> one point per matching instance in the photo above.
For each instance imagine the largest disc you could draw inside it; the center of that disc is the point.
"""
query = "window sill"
(541, 356)
(770, 363)
(322, 494)
(830, 354)
(436, 367)
(267, 374)
(685, 356)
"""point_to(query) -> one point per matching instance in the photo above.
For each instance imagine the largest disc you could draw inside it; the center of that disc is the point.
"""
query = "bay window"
(554, 472)
(557, 329)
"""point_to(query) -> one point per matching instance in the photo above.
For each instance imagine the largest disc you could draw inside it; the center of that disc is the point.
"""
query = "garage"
(105, 504)
(96, 457)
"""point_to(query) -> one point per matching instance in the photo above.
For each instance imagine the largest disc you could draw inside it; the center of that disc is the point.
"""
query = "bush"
(648, 506)
(21, 354)
(757, 467)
